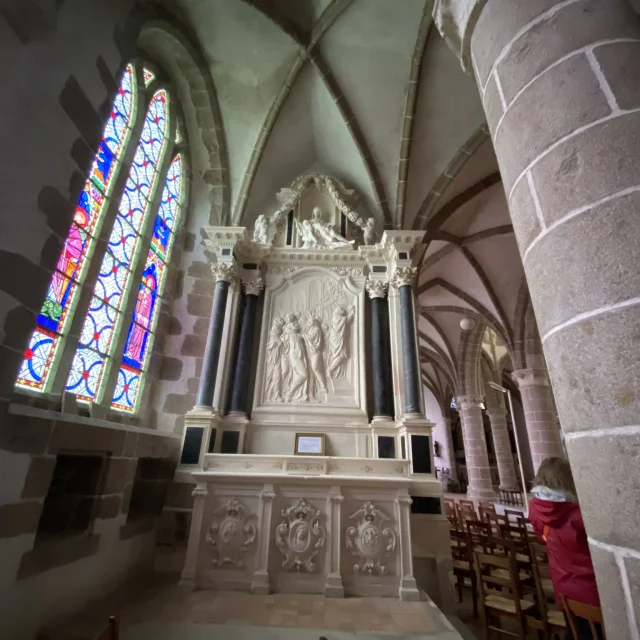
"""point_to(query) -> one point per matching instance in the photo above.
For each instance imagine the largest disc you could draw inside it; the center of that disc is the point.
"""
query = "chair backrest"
(487, 506)
(111, 631)
(513, 532)
(466, 512)
(593, 615)
(478, 533)
(495, 520)
(513, 515)
(540, 553)
(493, 583)
(463, 550)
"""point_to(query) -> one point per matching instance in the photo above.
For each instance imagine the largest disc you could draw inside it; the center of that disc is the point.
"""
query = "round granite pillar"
(502, 445)
(560, 84)
(475, 448)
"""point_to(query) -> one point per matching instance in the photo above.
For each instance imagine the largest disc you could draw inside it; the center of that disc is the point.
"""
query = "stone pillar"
(380, 351)
(260, 583)
(224, 275)
(333, 586)
(240, 392)
(475, 448)
(502, 444)
(403, 280)
(560, 83)
(540, 415)
(448, 443)
(190, 571)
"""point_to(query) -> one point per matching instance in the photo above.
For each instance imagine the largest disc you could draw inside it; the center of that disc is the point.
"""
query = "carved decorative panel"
(300, 536)
(370, 540)
(231, 533)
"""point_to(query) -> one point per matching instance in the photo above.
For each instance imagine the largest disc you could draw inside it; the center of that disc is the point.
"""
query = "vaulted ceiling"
(368, 91)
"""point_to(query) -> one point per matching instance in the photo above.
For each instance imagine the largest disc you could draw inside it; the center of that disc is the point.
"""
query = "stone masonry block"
(39, 477)
(71, 436)
(562, 100)
(492, 103)
(577, 357)
(109, 507)
(116, 475)
(24, 434)
(611, 594)
(19, 518)
(591, 165)
(573, 27)
(193, 345)
(620, 63)
(592, 257)
(499, 22)
(632, 567)
(608, 492)
(523, 215)
(199, 306)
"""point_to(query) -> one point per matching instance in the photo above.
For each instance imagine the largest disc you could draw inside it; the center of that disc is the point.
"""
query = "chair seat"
(505, 575)
(556, 618)
(520, 557)
(462, 565)
(506, 604)
(547, 586)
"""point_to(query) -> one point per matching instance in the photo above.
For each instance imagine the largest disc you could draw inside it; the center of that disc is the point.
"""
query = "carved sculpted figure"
(298, 379)
(338, 342)
(261, 230)
(277, 362)
(316, 234)
(315, 348)
(369, 231)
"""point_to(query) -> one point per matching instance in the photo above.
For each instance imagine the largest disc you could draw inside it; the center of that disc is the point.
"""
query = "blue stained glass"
(123, 244)
(37, 358)
(143, 317)
(71, 267)
(133, 204)
(123, 240)
(86, 373)
(112, 281)
(115, 131)
(126, 390)
(98, 326)
(172, 194)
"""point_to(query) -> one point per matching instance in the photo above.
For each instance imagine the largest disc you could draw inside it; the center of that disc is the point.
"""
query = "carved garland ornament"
(300, 536)
(231, 533)
(298, 186)
(370, 540)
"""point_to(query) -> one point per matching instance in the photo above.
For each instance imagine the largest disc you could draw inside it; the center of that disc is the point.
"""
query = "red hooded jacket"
(560, 526)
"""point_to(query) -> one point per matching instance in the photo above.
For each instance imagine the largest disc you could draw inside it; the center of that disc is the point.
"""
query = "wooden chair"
(466, 511)
(513, 515)
(478, 532)
(500, 596)
(111, 631)
(513, 532)
(592, 615)
(463, 566)
(551, 620)
(509, 549)
(496, 521)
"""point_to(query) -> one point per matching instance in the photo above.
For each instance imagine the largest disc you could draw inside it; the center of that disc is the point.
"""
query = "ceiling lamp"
(466, 324)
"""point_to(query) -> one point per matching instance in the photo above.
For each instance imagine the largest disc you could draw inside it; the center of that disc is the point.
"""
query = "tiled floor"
(162, 611)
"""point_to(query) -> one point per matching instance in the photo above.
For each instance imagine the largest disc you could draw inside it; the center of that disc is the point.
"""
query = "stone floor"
(161, 611)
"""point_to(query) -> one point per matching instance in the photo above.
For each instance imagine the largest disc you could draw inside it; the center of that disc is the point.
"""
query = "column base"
(333, 586)
(488, 495)
(260, 585)
(408, 591)
(383, 421)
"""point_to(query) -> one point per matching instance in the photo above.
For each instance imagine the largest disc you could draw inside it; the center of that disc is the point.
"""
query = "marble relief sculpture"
(232, 532)
(302, 353)
(316, 234)
(261, 230)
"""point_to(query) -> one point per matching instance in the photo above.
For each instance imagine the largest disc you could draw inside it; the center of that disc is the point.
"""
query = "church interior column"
(448, 437)
(564, 120)
(475, 448)
(540, 414)
(502, 445)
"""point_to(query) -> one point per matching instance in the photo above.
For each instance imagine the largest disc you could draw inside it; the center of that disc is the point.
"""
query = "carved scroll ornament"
(231, 533)
(300, 536)
(370, 540)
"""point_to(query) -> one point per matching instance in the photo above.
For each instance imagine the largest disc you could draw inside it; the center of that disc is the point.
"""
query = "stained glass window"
(141, 329)
(102, 321)
(148, 76)
(53, 320)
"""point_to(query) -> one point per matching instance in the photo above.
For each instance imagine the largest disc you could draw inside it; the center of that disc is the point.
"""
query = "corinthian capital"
(253, 286)
(223, 272)
(377, 288)
(403, 277)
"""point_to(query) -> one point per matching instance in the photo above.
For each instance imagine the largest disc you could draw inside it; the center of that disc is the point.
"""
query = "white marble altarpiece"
(266, 520)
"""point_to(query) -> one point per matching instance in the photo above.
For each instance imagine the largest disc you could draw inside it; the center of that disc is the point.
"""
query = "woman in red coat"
(556, 518)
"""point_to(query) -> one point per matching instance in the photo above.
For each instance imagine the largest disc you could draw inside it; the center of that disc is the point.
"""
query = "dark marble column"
(242, 370)
(403, 280)
(380, 350)
(224, 276)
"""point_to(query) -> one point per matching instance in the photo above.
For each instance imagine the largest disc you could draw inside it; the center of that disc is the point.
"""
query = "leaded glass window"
(144, 216)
